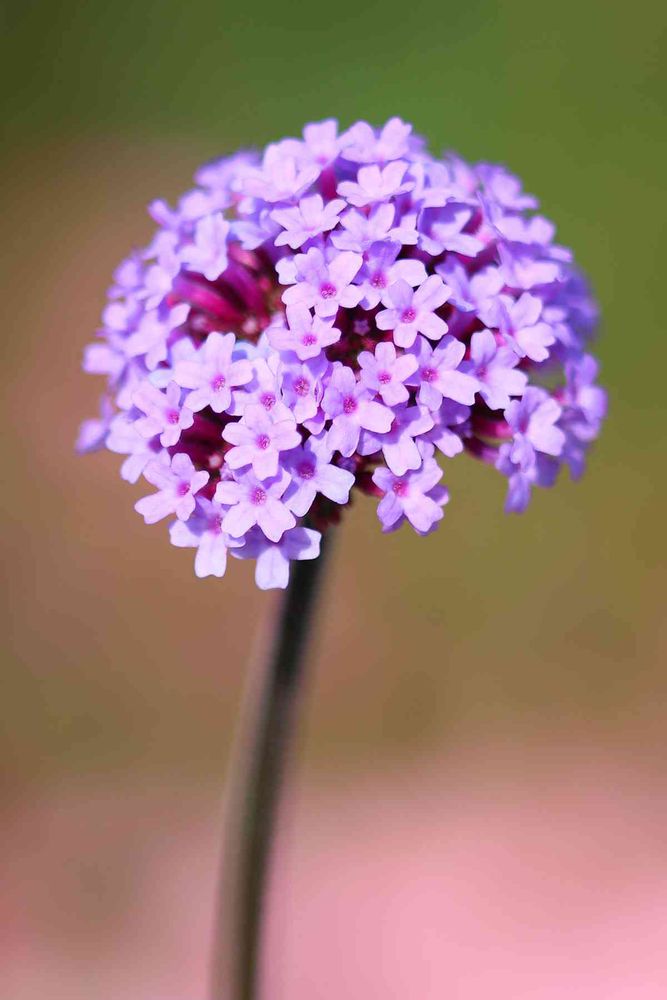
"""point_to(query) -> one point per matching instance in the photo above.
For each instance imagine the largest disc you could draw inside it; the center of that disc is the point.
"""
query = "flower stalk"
(257, 778)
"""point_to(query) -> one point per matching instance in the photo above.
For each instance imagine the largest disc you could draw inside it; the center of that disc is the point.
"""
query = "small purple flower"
(533, 420)
(302, 389)
(439, 376)
(313, 472)
(252, 501)
(359, 230)
(203, 531)
(449, 429)
(263, 390)
(398, 445)
(469, 292)
(212, 374)
(255, 229)
(349, 406)
(280, 178)
(320, 141)
(381, 270)
(412, 312)
(308, 219)
(153, 332)
(519, 323)
(208, 252)
(525, 267)
(305, 334)
(585, 402)
(177, 481)
(536, 231)
(259, 437)
(385, 372)
(316, 283)
(521, 480)
(442, 228)
(273, 557)
(584, 408)
(376, 184)
(415, 497)
(504, 188)
(165, 415)
(125, 439)
(93, 433)
(495, 369)
(159, 277)
(361, 144)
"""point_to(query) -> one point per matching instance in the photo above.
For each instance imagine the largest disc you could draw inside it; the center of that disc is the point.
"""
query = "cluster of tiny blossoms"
(337, 314)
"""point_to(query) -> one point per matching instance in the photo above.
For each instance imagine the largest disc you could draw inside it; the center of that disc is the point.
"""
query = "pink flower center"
(309, 339)
(349, 404)
(306, 470)
(183, 489)
(408, 315)
(429, 374)
(218, 383)
(263, 441)
(301, 386)
(378, 280)
(172, 416)
(327, 290)
(258, 496)
(267, 399)
(384, 377)
(400, 488)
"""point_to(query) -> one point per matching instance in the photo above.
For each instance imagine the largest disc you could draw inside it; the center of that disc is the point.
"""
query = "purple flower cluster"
(331, 315)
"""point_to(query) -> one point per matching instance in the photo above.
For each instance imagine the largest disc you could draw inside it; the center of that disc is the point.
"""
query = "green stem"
(259, 773)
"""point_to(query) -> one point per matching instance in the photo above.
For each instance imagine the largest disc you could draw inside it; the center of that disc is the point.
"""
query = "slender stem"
(253, 804)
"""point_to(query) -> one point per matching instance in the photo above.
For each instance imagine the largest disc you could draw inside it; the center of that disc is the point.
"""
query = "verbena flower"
(317, 321)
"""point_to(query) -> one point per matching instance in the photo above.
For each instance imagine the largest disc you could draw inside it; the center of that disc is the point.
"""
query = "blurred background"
(479, 800)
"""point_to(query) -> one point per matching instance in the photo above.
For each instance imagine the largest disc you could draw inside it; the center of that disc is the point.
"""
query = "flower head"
(322, 318)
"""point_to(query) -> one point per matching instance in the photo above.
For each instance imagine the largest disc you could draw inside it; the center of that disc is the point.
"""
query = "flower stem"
(252, 806)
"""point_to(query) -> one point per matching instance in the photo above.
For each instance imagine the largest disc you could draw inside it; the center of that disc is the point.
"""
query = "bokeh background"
(479, 804)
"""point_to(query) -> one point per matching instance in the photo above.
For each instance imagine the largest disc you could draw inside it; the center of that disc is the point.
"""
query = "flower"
(385, 372)
(313, 472)
(316, 321)
(164, 413)
(375, 184)
(203, 531)
(381, 269)
(303, 333)
(253, 501)
(439, 376)
(259, 437)
(414, 496)
(320, 284)
(350, 407)
(494, 367)
(178, 481)
(273, 558)
(208, 251)
(212, 374)
(310, 218)
(399, 445)
(412, 312)
(518, 322)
